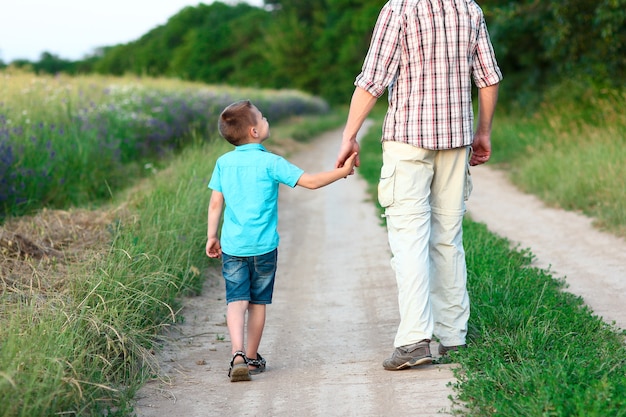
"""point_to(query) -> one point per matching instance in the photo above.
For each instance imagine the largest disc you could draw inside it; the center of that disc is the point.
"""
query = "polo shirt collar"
(250, 147)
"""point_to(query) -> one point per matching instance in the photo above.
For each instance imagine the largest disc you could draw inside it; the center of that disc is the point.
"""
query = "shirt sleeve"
(486, 71)
(381, 62)
(215, 182)
(286, 173)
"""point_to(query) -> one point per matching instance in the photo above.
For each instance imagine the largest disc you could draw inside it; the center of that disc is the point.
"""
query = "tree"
(212, 52)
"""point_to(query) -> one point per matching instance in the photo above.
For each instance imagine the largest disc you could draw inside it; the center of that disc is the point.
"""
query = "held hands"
(213, 248)
(349, 164)
(349, 149)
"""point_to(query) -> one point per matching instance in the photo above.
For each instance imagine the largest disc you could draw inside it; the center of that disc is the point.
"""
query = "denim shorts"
(250, 278)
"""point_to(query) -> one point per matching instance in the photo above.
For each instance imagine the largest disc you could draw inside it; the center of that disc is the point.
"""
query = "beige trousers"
(423, 193)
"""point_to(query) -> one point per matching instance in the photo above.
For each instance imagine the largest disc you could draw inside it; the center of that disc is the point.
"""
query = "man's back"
(427, 52)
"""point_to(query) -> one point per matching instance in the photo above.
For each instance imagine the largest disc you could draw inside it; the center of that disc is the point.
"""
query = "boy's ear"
(253, 132)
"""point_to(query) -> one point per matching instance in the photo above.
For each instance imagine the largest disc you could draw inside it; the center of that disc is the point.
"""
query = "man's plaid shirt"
(426, 52)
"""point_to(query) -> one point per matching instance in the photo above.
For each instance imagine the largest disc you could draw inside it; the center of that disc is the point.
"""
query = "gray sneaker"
(410, 355)
(444, 350)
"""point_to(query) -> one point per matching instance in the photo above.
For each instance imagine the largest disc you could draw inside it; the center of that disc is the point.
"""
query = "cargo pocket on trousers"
(386, 185)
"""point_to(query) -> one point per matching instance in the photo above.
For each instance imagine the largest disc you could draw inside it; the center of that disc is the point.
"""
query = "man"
(426, 53)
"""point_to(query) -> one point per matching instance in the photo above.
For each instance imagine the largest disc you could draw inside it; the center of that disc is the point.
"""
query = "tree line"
(318, 45)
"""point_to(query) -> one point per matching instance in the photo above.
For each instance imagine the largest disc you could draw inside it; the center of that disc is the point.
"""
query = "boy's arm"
(321, 179)
(216, 204)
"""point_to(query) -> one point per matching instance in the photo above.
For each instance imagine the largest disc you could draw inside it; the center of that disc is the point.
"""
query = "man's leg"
(406, 201)
(408, 240)
(448, 284)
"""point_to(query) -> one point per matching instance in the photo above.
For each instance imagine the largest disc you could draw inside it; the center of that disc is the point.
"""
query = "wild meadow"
(86, 289)
(74, 141)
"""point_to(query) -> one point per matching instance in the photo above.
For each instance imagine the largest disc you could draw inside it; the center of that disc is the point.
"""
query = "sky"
(72, 29)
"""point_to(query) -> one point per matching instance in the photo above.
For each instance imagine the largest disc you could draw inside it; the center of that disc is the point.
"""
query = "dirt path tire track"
(332, 322)
(593, 263)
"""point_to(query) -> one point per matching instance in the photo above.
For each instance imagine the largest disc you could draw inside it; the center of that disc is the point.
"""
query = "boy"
(246, 182)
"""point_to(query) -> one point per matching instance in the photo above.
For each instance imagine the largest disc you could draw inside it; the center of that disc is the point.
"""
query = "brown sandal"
(239, 372)
(258, 363)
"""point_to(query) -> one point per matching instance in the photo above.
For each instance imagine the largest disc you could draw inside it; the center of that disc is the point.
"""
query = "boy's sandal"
(239, 371)
(258, 363)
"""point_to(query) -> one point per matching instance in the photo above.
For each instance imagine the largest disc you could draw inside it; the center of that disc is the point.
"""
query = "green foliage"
(541, 43)
(221, 49)
(539, 351)
(343, 44)
(319, 46)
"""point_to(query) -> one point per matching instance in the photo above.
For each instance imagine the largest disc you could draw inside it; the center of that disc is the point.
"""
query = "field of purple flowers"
(72, 141)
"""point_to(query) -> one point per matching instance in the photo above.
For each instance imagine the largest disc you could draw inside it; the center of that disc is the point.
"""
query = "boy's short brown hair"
(235, 121)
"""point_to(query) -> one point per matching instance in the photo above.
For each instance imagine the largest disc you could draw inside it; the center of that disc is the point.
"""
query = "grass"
(571, 153)
(536, 350)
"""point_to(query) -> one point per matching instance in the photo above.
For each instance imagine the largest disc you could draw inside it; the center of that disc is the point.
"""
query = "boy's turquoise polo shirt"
(249, 177)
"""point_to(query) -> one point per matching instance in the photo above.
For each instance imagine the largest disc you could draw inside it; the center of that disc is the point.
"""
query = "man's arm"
(360, 106)
(216, 204)
(487, 100)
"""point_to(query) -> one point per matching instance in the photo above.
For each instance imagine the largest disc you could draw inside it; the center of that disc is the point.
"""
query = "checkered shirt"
(426, 53)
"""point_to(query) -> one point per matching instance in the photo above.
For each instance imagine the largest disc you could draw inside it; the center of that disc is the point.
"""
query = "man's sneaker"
(444, 350)
(410, 355)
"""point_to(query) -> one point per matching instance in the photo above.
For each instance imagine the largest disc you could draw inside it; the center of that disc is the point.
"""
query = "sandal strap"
(259, 361)
(239, 353)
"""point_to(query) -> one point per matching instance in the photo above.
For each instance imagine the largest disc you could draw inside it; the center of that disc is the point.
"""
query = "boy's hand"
(350, 163)
(348, 148)
(213, 248)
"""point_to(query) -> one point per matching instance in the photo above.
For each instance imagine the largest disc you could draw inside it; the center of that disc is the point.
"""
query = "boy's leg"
(256, 324)
(236, 272)
(235, 320)
(263, 274)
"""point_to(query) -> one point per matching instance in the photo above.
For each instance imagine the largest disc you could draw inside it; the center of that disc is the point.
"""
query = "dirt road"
(593, 263)
(335, 312)
(328, 330)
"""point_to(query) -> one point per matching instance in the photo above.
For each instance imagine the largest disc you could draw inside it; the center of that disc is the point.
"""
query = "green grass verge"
(535, 350)
(571, 153)
(86, 351)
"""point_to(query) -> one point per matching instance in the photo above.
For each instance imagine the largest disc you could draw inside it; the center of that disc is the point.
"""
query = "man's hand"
(349, 164)
(481, 149)
(347, 150)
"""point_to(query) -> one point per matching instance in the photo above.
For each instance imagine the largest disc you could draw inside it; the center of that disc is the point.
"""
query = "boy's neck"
(253, 140)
